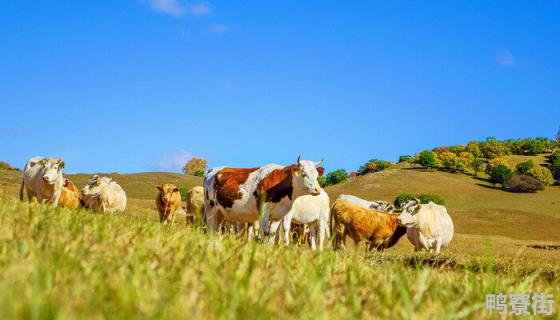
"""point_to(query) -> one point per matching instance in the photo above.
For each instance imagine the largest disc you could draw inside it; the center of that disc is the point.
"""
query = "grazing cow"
(429, 225)
(195, 205)
(70, 196)
(310, 210)
(102, 194)
(380, 229)
(168, 200)
(242, 195)
(379, 205)
(42, 179)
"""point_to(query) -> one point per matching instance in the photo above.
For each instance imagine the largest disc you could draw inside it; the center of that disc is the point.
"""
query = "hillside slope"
(475, 206)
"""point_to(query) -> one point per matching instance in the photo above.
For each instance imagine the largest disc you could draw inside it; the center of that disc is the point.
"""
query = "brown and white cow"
(380, 229)
(242, 195)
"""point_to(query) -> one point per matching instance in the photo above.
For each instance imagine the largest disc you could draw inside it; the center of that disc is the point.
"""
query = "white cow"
(313, 211)
(429, 225)
(378, 205)
(42, 179)
(102, 194)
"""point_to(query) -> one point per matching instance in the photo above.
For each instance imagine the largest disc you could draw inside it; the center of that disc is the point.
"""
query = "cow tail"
(21, 190)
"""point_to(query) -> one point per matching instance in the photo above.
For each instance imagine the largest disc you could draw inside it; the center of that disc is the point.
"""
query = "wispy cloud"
(178, 9)
(173, 162)
(200, 9)
(505, 59)
(171, 7)
(218, 28)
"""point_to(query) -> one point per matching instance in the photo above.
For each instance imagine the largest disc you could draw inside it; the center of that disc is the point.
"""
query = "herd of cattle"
(260, 201)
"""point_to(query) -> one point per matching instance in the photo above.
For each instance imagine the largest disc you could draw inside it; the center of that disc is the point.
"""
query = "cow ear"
(176, 189)
(158, 188)
(321, 171)
(60, 164)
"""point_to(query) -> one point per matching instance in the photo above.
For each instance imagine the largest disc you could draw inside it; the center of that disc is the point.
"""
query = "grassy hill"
(53, 259)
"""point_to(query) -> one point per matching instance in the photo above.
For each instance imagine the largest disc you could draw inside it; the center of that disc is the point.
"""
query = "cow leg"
(215, 220)
(287, 225)
(272, 232)
(313, 235)
(322, 232)
(438, 245)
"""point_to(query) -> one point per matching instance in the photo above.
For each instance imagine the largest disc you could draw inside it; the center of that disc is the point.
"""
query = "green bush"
(524, 167)
(542, 174)
(405, 158)
(428, 159)
(555, 156)
(424, 198)
(523, 183)
(500, 174)
(555, 169)
(477, 165)
(199, 173)
(493, 148)
(334, 177)
(374, 165)
(473, 148)
(322, 181)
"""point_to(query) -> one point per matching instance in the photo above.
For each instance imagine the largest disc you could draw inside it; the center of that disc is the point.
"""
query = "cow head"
(306, 176)
(408, 216)
(52, 169)
(167, 191)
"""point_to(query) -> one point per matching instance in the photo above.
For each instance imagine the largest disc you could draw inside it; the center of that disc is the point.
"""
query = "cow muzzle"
(48, 180)
(316, 192)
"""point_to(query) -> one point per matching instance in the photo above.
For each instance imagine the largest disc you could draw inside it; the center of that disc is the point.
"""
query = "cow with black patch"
(242, 195)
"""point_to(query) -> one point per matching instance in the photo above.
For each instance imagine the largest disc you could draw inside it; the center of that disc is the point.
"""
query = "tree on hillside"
(374, 165)
(334, 177)
(524, 167)
(542, 174)
(501, 174)
(473, 148)
(493, 148)
(477, 165)
(196, 167)
(493, 163)
(428, 159)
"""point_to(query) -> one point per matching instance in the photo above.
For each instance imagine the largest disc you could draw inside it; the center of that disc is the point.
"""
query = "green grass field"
(60, 264)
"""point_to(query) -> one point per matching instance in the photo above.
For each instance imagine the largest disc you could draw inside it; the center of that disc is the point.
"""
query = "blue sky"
(136, 85)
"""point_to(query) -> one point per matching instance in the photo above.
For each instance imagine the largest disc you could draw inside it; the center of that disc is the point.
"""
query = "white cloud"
(200, 9)
(172, 7)
(505, 59)
(218, 28)
(177, 9)
(173, 162)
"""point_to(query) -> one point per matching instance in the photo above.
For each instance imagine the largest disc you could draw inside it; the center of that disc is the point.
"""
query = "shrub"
(555, 169)
(493, 148)
(335, 177)
(199, 173)
(424, 198)
(195, 166)
(473, 148)
(374, 165)
(322, 181)
(448, 160)
(405, 158)
(501, 174)
(524, 167)
(428, 159)
(457, 149)
(523, 183)
(542, 174)
(493, 163)
(477, 165)
(7, 166)
(555, 156)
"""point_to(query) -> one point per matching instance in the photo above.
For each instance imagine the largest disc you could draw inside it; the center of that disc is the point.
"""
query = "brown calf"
(378, 228)
(70, 196)
(167, 201)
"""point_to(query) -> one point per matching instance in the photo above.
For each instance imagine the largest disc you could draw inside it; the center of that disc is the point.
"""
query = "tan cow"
(378, 228)
(70, 196)
(168, 201)
(102, 194)
(195, 205)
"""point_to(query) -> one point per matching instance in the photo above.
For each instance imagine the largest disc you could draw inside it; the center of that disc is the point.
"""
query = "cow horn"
(299, 160)
(319, 163)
